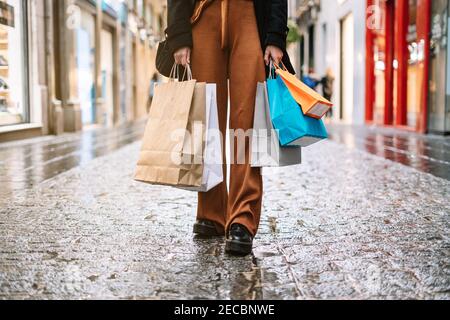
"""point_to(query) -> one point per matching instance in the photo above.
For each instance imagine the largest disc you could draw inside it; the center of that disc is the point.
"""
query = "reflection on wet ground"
(426, 153)
(25, 164)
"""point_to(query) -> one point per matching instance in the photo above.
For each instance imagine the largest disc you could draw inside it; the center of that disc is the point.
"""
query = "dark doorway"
(311, 51)
(302, 55)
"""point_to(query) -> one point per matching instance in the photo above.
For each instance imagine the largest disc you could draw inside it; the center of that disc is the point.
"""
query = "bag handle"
(175, 73)
(272, 70)
(274, 67)
(278, 67)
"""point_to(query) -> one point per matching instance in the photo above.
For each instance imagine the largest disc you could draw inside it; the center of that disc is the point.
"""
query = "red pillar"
(423, 36)
(370, 67)
(401, 54)
(389, 71)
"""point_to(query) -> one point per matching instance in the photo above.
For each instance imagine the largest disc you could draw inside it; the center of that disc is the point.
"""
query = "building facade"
(389, 57)
(68, 64)
(332, 39)
(407, 63)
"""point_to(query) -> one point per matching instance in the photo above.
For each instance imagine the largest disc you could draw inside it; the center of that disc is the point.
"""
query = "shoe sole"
(238, 248)
(206, 231)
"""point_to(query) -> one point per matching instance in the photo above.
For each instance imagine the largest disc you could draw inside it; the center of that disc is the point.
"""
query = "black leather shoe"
(206, 228)
(239, 241)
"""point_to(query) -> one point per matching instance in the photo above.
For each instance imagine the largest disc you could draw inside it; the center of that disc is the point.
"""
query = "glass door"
(107, 76)
(379, 56)
(86, 67)
(347, 68)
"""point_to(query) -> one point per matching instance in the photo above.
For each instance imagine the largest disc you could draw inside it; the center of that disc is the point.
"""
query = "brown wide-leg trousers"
(230, 50)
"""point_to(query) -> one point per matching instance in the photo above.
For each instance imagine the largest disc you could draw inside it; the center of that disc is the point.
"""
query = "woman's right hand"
(183, 56)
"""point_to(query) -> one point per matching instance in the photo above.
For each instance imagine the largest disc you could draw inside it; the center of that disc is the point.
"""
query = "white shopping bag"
(212, 155)
(266, 149)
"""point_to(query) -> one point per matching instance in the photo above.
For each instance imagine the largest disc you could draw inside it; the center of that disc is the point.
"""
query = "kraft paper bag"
(212, 153)
(172, 148)
(293, 127)
(312, 104)
(266, 150)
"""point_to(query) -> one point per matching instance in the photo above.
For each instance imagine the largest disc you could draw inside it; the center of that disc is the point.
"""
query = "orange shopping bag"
(312, 103)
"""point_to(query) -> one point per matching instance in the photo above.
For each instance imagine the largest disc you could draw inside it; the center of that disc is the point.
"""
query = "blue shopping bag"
(294, 128)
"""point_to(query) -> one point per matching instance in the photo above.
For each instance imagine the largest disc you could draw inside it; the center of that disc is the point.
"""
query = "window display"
(12, 102)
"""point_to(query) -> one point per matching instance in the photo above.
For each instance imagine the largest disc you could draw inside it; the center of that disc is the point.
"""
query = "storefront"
(406, 48)
(14, 106)
(70, 63)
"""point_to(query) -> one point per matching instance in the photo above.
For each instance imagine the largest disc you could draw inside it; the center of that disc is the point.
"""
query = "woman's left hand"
(274, 53)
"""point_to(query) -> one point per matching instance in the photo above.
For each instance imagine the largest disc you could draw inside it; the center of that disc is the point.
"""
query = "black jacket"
(271, 16)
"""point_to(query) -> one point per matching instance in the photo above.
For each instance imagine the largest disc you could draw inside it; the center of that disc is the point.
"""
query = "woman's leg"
(210, 64)
(246, 69)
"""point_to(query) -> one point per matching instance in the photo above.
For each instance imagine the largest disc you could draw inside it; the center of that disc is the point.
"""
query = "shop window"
(415, 55)
(379, 56)
(13, 105)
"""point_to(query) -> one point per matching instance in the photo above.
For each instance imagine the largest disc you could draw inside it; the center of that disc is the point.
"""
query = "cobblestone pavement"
(345, 224)
(27, 163)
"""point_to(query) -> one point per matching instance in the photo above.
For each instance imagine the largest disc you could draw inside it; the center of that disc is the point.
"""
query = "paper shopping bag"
(171, 151)
(266, 149)
(293, 127)
(312, 103)
(212, 153)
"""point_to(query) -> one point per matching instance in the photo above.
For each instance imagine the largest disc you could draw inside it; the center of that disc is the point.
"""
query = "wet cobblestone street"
(427, 153)
(345, 224)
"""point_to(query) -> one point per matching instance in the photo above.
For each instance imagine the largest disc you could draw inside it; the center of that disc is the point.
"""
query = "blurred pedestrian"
(327, 83)
(311, 79)
(223, 40)
(153, 81)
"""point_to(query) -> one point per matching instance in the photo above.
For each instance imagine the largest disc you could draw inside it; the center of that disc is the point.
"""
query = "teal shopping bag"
(294, 128)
